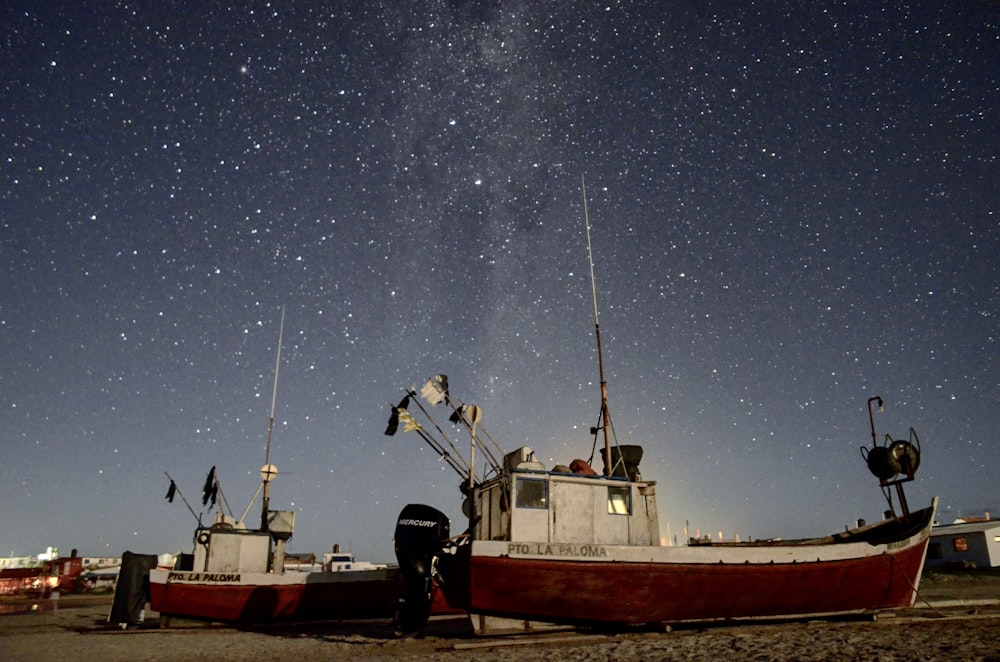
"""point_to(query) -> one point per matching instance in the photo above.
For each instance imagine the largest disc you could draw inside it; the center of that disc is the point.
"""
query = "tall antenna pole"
(605, 414)
(268, 472)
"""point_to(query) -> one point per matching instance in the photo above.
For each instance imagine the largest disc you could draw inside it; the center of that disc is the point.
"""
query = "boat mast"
(605, 420)
(268, 472)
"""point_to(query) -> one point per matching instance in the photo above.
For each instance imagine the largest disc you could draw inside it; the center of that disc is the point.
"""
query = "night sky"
(793, 206)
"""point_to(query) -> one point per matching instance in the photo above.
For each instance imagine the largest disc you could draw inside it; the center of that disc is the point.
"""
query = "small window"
(532, 493)
(619, 501)
(961, 544)
(934, 551)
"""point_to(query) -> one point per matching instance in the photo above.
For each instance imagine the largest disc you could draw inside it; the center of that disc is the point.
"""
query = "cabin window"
(934, 551)
(960, 544)
(532, 493)
(619, 501)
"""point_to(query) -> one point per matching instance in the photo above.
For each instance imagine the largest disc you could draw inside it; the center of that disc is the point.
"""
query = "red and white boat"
(554, 546)
(239, 574)
(230, 580)
(566, 545)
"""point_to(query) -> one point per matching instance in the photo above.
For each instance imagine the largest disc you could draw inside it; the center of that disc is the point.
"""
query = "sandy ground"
(958, 618)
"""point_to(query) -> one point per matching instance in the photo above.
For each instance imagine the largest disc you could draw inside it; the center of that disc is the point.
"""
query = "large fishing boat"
(568, 545)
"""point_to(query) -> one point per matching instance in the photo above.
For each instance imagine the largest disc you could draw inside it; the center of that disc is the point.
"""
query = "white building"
(971, 544)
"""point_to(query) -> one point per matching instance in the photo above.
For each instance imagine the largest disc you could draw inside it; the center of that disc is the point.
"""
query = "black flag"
(171, 492)
(393, 425)
(468, 413)
(209, 490)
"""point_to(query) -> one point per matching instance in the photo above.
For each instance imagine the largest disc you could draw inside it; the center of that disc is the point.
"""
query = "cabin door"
(572, 512)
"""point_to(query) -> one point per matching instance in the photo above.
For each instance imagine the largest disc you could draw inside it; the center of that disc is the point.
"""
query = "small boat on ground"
(239, 574)
(567, 545)
(229, 579)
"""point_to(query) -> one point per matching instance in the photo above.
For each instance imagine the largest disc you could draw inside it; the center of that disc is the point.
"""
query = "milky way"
(793, 209)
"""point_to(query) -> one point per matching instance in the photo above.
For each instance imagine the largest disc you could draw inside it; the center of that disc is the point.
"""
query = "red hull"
(318, 596)
(644, 593)
(553, 590)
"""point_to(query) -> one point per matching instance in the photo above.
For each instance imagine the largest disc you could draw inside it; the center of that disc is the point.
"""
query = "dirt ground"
(956, 618)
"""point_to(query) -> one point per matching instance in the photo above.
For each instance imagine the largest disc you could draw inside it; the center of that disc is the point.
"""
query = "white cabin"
(528, 503)
(228, 546)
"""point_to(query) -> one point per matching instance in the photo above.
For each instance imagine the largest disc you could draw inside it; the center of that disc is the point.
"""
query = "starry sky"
(793, 207)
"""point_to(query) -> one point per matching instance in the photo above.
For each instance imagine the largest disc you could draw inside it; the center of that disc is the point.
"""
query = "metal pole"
(266, 477)
(605, 414)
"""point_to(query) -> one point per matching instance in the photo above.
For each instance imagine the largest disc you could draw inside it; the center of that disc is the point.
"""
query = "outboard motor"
(420, 532)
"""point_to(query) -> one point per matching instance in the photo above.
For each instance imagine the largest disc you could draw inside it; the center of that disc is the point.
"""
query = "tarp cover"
(132, 591)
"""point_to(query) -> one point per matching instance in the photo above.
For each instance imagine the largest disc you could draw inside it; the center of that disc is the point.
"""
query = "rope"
(902, 571)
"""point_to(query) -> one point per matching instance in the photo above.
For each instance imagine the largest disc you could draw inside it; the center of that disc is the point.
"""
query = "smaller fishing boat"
(235, 575)
(238, 573)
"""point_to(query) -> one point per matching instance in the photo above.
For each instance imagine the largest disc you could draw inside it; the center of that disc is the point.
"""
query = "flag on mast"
(409, 423)
(210, 489)
(435, 390)
(401, 415)
(171, 491)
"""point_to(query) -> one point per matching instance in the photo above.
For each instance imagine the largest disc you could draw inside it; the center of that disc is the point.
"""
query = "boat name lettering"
(203, 577)
(426, 523)
(556, 549)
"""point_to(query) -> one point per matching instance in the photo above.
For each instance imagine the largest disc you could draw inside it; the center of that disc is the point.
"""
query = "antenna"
(269, 471)
(605, 419)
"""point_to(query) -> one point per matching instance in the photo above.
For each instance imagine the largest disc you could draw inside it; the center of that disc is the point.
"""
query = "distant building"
(11, 562)
(48, 572)
(89, 562)
(973, 542)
